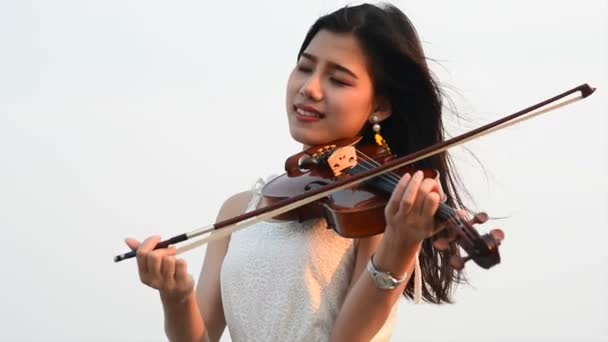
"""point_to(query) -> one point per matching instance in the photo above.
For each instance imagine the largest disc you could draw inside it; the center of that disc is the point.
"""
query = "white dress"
(287, 281)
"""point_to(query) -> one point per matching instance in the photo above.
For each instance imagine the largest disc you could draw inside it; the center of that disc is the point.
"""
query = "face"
(329, 92)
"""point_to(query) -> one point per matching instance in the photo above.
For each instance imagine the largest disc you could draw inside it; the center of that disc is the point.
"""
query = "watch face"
(384, 282)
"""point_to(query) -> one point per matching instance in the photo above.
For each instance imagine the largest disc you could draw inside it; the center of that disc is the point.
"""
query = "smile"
(307, 113)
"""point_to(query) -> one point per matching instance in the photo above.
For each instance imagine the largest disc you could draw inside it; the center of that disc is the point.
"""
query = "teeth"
(306, 113)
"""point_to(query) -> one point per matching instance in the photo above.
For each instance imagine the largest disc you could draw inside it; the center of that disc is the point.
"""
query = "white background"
(133, 118)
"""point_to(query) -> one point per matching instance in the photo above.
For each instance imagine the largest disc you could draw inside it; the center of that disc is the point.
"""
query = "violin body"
(352, 213)
(356, 212)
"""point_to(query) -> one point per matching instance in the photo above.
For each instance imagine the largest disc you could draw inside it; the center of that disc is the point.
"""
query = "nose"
(312, 88)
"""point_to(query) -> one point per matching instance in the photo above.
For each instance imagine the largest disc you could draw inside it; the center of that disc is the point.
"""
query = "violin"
(358, 212)
(349, 183)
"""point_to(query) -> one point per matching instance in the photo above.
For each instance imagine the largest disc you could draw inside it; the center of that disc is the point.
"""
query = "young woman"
(357, 68)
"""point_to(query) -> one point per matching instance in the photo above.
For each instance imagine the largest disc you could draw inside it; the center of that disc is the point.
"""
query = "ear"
(382, 109)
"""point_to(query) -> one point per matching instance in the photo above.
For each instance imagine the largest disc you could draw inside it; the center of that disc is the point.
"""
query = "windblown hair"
(400, 74)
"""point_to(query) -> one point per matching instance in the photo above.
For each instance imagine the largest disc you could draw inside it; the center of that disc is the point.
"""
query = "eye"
(338, 82)
(304, 68)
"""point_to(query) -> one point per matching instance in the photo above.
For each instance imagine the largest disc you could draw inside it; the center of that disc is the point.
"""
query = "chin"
(307, 138)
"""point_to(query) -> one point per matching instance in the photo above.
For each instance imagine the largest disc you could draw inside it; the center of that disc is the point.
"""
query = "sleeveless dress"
(286, 281)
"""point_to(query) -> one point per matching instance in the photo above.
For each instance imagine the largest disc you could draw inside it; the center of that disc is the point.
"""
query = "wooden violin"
(358, 212)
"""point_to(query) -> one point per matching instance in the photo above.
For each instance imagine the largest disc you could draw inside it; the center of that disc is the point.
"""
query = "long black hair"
(400, 74)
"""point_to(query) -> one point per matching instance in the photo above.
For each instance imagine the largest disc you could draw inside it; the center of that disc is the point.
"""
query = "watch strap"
(383, 280)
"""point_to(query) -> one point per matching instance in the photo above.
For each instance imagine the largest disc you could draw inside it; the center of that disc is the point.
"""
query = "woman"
(360, 71)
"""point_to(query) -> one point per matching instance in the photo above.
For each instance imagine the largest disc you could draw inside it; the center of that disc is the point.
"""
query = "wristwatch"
(384, 280)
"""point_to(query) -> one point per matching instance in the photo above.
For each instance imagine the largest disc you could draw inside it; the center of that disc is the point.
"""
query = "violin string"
(446, 210)
(392, 178)
(389, 176)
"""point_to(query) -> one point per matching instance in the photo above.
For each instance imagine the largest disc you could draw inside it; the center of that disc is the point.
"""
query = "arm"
(195, 315)
(183, 321)
(367, 307)
(160, 270)
(209, 298)
(410, 219)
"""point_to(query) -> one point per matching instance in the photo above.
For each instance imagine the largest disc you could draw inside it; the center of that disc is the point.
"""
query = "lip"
(308, 109)
(304, 118)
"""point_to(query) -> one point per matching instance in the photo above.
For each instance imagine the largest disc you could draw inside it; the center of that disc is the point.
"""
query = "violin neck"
(446, 213)
(387, 185)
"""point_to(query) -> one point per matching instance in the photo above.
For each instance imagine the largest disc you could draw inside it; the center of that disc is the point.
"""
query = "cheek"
(354, 108)
(292, 86)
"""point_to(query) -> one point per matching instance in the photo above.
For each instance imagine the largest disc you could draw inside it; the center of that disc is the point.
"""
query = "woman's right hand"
(160, 270)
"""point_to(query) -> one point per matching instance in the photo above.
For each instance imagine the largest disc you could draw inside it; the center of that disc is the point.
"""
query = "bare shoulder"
(234, 205)
(208, 288)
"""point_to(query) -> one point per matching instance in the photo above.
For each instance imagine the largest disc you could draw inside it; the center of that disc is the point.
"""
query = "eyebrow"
(332, 64)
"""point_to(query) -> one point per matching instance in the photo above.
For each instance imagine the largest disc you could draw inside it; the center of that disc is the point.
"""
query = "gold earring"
(379, 139)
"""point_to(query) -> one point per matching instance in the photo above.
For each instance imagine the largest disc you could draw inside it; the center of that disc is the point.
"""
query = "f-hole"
(314, 185)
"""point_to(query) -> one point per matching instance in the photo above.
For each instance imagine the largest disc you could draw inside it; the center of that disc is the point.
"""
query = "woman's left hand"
(410, 212)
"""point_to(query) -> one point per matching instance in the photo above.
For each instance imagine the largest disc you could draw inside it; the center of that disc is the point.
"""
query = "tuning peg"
(441, 244)
(497, 234)
(480, 218)
(492, 239)
(458, 262)
(307, 162)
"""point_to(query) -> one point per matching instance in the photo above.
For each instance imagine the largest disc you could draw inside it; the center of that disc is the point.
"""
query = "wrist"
(396, 256)
(383, 279)
(169, 299)
(398, 241)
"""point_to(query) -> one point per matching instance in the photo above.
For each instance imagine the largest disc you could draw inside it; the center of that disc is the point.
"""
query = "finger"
(142, 254)
(409, 195)
(181, 271)
(393, 203)
(168, 270)
(154, 264)
(427, 186)
(430, 205)
(149, 243)
(132, 243)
